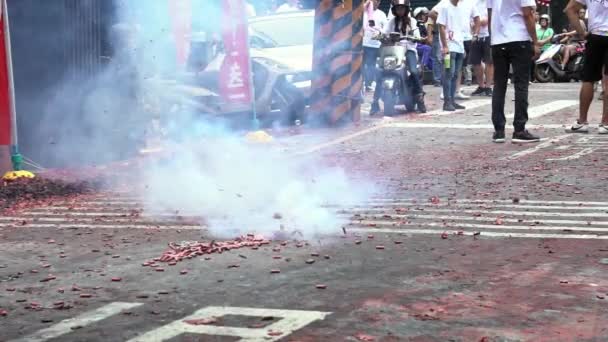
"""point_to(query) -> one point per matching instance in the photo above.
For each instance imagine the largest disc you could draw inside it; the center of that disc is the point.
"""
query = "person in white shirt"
(372, 26)
(513, 39)
(481, 53)
(401, 22)
(289, 6)
(596, 53)
(453, 19)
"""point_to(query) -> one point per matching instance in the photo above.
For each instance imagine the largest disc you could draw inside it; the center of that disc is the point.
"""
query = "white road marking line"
(65, 326)
(458, 125)
(576, 155)
(483, 234)
(109, 214)
(499, 212)
(484, 226)
(412, 207)
(380, 220)
(291, 320)
(67, 225)
(537, 147)
(490, 201)
(472, 104)
(549, 107)
(338, 140)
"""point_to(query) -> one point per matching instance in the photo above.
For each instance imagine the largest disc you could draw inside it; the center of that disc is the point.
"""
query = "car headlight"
(390, 63)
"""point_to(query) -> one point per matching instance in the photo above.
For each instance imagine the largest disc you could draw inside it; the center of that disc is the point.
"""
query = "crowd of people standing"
(500, 40)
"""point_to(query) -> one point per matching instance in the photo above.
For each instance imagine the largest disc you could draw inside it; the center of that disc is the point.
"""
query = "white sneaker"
(602, 129)
(461, 96)
(581, 128)
(441, 96)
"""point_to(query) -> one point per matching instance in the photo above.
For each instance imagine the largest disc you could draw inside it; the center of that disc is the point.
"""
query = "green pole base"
(17, 161)
(255, 124)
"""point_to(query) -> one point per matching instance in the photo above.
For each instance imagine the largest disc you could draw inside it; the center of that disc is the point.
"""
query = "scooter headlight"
(390, 63)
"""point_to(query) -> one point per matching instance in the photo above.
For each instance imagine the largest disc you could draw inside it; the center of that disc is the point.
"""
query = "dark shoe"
(458, 107)
(420, 104)
(524, 137)
(499, 137)
(437, 84)
(488, 92)
(448, 107)
(479, 91)
(375, 108)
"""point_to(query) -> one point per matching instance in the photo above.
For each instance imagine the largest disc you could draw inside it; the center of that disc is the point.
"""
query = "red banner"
(181, 18)
(234, 73)
(5, 108)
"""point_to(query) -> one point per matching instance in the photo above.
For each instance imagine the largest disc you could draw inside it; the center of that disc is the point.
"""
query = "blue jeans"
(436, 57)
(450, 76)
(370, 55)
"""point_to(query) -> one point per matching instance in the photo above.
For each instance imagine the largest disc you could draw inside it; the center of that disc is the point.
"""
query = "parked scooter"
(393, 79)
(548, 66)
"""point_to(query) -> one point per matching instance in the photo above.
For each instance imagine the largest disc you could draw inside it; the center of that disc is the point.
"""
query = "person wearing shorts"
(481, 54)
(596, 54)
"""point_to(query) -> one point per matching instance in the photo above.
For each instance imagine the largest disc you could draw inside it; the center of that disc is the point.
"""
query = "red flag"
(235, 85)
(5, 105)
(181, 15)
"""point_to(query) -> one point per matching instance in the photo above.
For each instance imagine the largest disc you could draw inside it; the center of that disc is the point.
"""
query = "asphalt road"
(465, 240)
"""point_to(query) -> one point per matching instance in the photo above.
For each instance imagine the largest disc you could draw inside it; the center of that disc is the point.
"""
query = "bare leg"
(479, 76)
(489, 75)
(567, 54)
(586, 97)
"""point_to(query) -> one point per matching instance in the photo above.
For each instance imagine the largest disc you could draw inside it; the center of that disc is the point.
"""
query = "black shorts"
(596, 58)
(467, 53)
(481, 50)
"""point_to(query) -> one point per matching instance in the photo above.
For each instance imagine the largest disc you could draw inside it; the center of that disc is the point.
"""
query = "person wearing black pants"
(513, 36)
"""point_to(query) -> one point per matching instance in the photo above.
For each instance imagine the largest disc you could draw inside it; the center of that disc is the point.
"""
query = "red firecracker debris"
(370, 236)
(321, 286)
(274, 333)
(275, 271)
(182, 272)
(499, 222)
(178, 252)
(365, 338)
(116, 279)
(310, 261)
(380, 247)
(357, 242)
(444, 235)
(398, 242)
(159, 269)
(435, 200)
(49, 278)
(3, 313)
(86, 295)
(201, 321)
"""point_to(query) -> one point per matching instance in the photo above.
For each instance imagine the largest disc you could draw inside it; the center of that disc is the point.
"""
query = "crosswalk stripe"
(67, 225)
(546, 108)
(483, 201)
(478, 226)
(483, 234)
(498, 212)
(381, 218)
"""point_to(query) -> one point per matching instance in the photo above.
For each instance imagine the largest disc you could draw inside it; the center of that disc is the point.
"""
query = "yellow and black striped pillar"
(338, 60)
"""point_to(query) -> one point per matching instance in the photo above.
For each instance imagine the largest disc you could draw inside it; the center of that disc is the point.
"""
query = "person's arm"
(490, 5)
(476, 26)
(548, 39)
(443, 36)
(528, 13)
(572, 12)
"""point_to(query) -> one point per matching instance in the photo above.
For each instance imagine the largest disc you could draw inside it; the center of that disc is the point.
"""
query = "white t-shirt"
(453, 18)
(287, 8)
(414, 28)
(482, 10)
(598, 16)
(508, 24)
(470, 7)
(381, 22)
